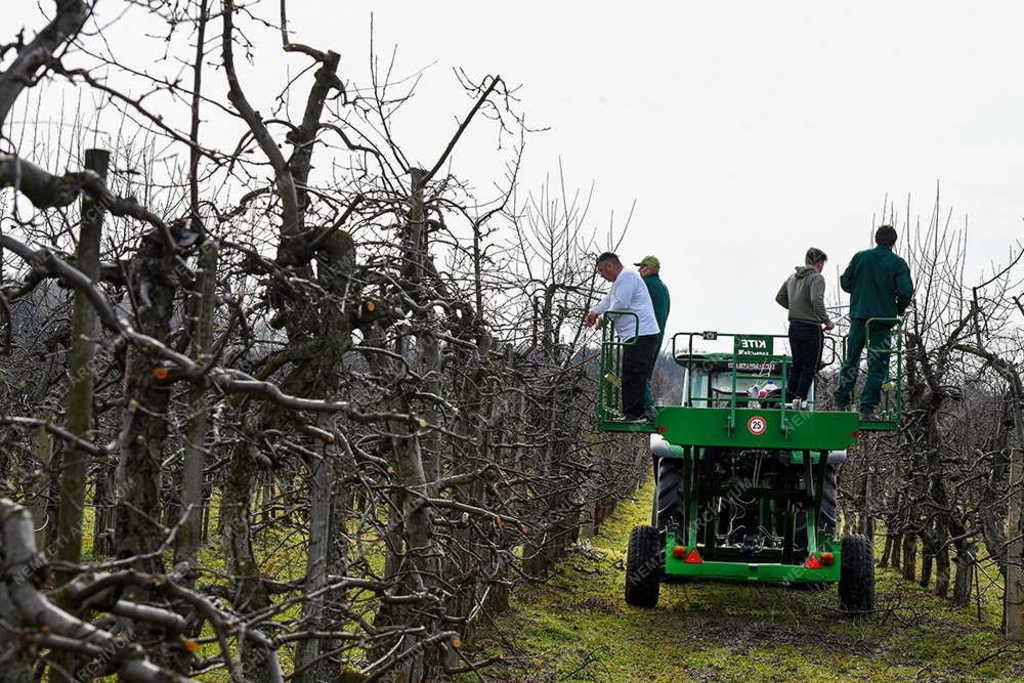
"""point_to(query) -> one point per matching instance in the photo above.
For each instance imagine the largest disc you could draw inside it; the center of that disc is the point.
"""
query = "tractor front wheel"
(644, 566)
(857, 575)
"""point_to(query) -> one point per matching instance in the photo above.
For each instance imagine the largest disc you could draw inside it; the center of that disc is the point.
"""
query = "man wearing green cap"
(650, 267)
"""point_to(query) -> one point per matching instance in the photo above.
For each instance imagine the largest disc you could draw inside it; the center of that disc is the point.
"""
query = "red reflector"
(855, 434)
(813, 562)
(662, 429)
(679, 551)
(694, 557)
(827, 559)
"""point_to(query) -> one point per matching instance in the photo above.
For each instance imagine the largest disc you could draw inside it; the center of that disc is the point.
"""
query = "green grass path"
(577, 628)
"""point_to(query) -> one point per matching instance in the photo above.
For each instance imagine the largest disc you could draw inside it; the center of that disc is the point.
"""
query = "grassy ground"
(577, 628)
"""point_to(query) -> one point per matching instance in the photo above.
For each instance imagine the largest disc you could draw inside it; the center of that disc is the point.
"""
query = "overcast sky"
(746, 132)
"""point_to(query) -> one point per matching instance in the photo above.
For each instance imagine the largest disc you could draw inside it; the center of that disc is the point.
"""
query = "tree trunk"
(964, 575)
(416, 570)
(192, 491)
(893, 538)
(320, 509)
(42, 447)
(84, 330)
(926, 567)
(886, 552)
(144, 430)
(909, 560)
(139, 514)
(1014, 596)
(250, 593)
(105, 500)
(326, 548)
(942, 572)
(931, 538)
(415, 459)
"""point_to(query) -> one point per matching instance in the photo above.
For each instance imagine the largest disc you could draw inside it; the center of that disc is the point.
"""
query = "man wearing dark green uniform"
(880, 287)
(649, 267)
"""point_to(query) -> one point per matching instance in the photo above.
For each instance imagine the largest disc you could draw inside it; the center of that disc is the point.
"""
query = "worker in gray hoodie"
(803, 293)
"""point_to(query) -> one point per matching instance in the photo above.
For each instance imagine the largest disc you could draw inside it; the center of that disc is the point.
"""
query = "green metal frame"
(763, 428)
(706, 427)
(609, 386)
(769, 572)
(609, 401)
(739, 360)
(890, 412)
(780, 508)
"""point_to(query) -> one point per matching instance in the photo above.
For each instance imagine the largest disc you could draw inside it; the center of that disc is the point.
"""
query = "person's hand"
(591, 319)
(829, 325)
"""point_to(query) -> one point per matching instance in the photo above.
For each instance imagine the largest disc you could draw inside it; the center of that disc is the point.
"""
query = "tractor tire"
(827, 517)
(857, 575)
(668, 497)
(644, 567)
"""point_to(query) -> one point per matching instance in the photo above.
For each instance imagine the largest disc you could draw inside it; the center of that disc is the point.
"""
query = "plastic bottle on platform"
(754, 392)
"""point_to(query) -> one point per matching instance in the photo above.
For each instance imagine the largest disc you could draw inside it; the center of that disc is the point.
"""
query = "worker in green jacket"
(650, 267)
(880, 287)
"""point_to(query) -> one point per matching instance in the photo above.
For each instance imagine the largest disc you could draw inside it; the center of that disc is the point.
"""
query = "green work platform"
(746, 483)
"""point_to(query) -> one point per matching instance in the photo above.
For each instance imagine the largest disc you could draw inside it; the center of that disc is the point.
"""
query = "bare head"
(816, 259)
(609, 266)
(885, 236)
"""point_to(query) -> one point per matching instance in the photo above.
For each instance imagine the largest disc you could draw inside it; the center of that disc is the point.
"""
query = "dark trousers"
(805, 341)
(878, 363)
(648, 391)
(637, 366)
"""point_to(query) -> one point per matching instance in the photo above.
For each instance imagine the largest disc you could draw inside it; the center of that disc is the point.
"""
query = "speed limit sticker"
(757, 425)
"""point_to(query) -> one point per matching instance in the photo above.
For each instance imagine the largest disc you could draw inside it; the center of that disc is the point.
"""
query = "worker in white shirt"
(629, 293)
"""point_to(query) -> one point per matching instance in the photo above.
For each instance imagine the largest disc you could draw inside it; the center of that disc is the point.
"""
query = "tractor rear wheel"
(644, 566)
(668, 497)
(857, 575)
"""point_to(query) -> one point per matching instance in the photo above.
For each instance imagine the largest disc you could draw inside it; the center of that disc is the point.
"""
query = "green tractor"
(745, 485)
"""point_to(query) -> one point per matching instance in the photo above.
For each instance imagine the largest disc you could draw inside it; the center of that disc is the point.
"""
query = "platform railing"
(833, 353)
(609, 386)
(890, 407)
(766, 365)
(738, 358)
